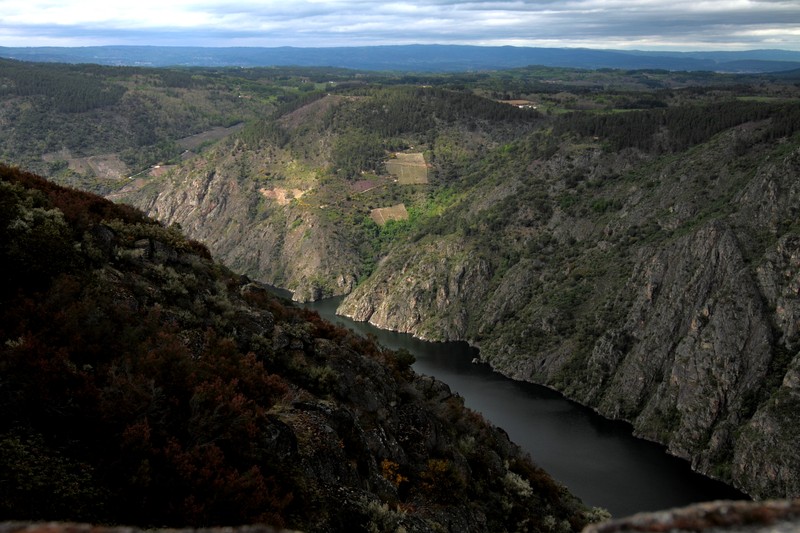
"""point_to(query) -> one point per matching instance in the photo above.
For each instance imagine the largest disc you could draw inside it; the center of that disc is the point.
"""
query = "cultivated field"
(382, 215)
(363, 186)
(409, 169)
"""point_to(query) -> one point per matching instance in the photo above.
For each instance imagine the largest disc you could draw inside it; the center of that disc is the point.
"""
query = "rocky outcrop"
(262, 235)
(430, 293)
(778, 516)
(678, 317)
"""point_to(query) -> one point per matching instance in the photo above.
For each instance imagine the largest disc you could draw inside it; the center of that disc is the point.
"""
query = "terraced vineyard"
(409, 169)
(383, 215)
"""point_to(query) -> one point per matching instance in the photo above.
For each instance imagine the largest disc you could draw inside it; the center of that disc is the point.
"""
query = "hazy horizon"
(642, 25)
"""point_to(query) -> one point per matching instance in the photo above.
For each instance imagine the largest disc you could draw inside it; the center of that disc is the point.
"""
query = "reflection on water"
(598, 459)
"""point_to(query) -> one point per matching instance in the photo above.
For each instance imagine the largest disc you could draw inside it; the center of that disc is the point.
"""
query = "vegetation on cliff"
(143, 383)
(630, 242)
(627, 237)
(643, 262)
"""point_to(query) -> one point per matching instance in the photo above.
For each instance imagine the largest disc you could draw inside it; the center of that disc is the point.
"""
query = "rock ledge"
(777, 516)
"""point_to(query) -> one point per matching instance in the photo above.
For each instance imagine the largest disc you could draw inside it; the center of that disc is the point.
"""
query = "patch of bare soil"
(282, 196)
(105, 166)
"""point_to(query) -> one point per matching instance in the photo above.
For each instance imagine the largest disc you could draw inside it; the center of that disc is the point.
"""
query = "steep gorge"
(657, 285)
(145, 384)
(677, 310)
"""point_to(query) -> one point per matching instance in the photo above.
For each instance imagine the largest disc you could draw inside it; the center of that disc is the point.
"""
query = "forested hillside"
(629, 238)
(633, 247)
(93, 127)
(144, 384)
(303, 183)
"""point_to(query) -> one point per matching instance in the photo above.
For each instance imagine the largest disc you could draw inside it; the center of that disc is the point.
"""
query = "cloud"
(652, 24)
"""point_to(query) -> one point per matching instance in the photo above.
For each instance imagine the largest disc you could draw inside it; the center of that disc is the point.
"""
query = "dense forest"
(686, 126)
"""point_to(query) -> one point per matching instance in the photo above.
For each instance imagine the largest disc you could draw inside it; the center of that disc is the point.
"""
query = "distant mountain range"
(422, 58)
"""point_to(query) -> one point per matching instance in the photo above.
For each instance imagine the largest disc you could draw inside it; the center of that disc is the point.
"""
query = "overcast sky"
(621, 24)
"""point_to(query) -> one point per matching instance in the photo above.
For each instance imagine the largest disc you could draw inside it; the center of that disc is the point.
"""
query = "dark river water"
(597, 459)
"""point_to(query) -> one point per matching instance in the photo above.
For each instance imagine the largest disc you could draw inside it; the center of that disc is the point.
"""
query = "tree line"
(70, 91)
(681, 127)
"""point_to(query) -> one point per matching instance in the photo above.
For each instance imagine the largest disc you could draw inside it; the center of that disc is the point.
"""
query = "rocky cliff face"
(676, 310)
(438, 284)
(655, 285)
(259, 227)
(779, 516)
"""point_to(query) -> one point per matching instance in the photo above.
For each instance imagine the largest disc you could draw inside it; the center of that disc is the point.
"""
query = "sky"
(618, 24)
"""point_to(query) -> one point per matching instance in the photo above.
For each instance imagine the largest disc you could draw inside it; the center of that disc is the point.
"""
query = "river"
(599, 460)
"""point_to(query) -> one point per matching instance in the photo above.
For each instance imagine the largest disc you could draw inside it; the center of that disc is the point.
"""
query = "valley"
(632, 242)
(143, 383)
(598, 459)
(625, 259)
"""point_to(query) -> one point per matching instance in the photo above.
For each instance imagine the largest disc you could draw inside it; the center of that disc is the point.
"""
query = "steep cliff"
(642, 262)
(258, 212)
(659, 290)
